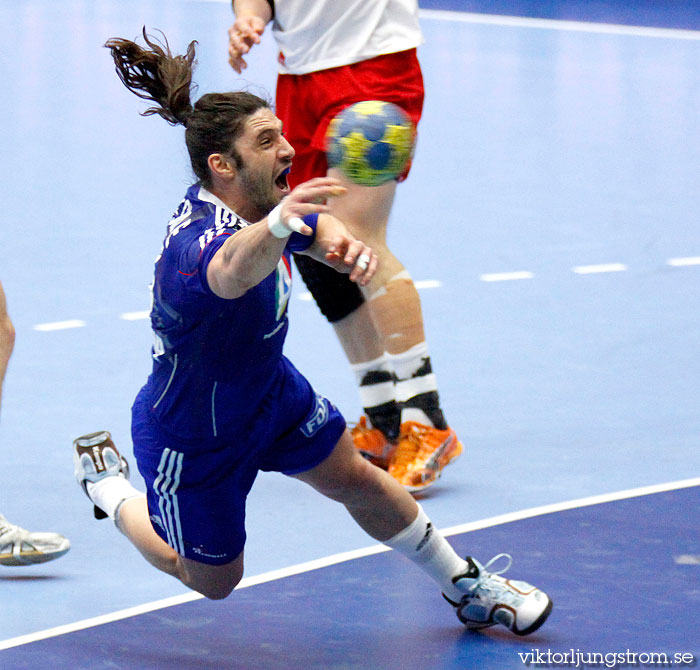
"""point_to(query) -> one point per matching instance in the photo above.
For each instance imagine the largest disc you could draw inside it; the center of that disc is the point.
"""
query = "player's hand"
(242, 35)
(309, 198)
(341, 251)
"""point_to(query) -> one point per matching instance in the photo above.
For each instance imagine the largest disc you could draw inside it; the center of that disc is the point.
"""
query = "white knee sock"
(110, 492)
(423, 544)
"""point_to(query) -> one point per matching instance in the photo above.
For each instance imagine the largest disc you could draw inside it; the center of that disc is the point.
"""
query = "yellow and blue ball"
(371, 142)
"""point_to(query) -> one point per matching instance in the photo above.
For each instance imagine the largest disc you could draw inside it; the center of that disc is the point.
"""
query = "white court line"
(135, 316)
(687, 261)
(571, 504)
(683, 262)
(351, 555)
(595, 269)
(506, 276)
(545, 24)
(59, 325)
(428, 283)
(554, 24)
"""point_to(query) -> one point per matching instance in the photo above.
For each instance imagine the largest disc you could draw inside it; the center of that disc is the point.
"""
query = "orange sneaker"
(372, 443)
(421, 454)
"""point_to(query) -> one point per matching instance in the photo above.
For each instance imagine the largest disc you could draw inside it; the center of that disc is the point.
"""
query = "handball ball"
(371, 142)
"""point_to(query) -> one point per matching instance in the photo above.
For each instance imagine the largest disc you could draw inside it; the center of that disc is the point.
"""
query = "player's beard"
(259, 191)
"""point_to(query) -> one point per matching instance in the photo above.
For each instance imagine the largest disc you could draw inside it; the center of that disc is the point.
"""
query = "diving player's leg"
(213, 581)
(387, 512)
(206, 557)
(351, 480)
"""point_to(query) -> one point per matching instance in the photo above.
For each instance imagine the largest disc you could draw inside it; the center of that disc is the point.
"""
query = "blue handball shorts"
(197, 490)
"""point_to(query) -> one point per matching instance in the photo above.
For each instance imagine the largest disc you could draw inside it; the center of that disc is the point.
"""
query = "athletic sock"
(378, 395)
(110, 492)
(416, 386)
(423, 544)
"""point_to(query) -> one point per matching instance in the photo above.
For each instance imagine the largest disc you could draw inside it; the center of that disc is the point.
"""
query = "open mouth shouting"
(281, 180)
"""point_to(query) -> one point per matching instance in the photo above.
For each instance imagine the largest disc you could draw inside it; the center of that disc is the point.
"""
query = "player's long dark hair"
(155, 74)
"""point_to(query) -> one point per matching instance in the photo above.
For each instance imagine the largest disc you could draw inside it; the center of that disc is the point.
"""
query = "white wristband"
(275, 224)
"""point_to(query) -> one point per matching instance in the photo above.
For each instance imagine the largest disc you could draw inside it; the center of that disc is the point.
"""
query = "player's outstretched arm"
(335, 246)
(251, 18)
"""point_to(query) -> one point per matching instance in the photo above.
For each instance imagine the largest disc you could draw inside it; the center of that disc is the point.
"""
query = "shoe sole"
(95, 440)
(10, 560)
(535, 625)
(433, 462)
(539, 621)
(413, 488)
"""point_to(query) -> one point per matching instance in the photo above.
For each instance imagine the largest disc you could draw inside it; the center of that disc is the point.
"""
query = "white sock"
(414, 377)
(423, 544)
(110, 492)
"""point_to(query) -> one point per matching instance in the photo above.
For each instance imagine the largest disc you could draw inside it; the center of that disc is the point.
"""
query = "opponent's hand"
(353, 257)
(309, 198)
(242, 35)
(340, 250)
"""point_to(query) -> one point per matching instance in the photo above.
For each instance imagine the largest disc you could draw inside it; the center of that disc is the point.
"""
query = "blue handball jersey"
(214, 359)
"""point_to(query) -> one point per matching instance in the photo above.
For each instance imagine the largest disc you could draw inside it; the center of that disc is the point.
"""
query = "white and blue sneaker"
(490, 599)
(22, 547)
(95, 457)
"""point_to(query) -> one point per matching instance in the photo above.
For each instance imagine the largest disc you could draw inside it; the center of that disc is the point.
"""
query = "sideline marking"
(546, 24)
(595, 269)
(686, 261)
(555, 24)
(135, 316)
(506, 276)
(683, 262)
(59, 325)
(334, 559)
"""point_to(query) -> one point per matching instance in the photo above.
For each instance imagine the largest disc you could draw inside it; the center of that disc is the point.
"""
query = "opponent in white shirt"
(333, 54)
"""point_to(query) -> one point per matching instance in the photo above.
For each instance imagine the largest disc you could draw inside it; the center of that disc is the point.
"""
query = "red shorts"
(306, 103)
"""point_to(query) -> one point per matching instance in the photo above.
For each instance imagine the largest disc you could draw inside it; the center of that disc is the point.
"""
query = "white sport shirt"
(320, 34)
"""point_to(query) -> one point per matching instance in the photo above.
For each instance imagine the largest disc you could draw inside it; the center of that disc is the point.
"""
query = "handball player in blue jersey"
(222, 402)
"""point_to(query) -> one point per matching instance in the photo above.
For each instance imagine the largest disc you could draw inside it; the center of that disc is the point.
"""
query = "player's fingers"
(250, 35)
(370, 271)
(300, 209)
(365, 267)
(321, 181)
(241, 40)
(319, 191)
(238, 64)
(359, 256)
(298, 226)
(353, 249)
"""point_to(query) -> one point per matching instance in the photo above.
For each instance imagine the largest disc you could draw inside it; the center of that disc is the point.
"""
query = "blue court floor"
(550, 222)
(377, 612)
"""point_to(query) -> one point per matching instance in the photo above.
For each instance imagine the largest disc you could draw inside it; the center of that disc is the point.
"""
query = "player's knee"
(335, 295)
(217, 592)
(214, 583)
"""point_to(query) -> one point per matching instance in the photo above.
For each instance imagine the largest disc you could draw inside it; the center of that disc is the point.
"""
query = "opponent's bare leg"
(393, 302)
(7, 338)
